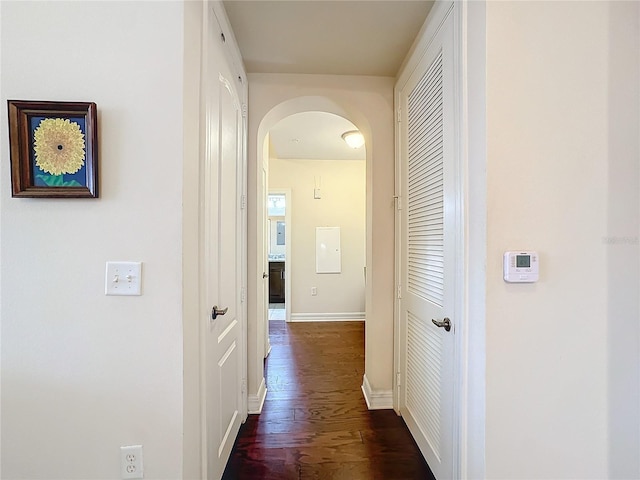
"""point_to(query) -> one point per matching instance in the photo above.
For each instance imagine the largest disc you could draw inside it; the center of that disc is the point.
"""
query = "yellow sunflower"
(59, 146)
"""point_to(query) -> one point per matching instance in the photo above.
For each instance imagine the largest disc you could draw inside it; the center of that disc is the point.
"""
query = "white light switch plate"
(123, 278)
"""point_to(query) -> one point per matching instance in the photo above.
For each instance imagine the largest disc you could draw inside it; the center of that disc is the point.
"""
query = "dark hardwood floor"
(315, 423)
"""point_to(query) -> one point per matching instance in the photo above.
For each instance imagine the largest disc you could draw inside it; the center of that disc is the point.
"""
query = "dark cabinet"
(276, 282)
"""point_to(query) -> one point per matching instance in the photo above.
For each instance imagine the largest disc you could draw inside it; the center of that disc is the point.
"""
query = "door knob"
(215, 311)
(446, 323)
(264, 275)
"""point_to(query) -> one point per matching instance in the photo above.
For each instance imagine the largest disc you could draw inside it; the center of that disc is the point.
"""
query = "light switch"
(123, 278)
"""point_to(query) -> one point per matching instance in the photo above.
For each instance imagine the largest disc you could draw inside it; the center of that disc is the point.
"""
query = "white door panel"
(222, 261)
(428, 240)
(265, 259)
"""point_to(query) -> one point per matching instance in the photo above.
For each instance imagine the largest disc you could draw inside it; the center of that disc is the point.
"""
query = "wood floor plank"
(300, 439)
(315, 423)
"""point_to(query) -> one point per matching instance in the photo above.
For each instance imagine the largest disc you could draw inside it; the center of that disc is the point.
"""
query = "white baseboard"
(255, 402)
(376, 400)
(328, 317)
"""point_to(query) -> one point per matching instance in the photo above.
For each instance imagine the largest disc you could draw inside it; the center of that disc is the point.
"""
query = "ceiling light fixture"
(353, 138)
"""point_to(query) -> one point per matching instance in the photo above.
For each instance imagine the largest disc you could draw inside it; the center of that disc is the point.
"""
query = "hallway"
(315, 423)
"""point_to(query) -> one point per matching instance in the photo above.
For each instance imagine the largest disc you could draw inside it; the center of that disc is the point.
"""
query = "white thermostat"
(520, 267)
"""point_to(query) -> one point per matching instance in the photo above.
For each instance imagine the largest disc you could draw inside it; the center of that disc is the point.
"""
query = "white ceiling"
(335, 37)
(313, 135)
(339, 37)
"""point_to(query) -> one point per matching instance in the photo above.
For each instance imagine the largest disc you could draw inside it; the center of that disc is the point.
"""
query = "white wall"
(83, 373)
(342, 204)
(621, 239)
(192, 422)
(368, 103)
(562, 178)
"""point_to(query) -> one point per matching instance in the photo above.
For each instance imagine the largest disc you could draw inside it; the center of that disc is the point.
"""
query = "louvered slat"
(425, 207)
(425, 250)
(424, 371)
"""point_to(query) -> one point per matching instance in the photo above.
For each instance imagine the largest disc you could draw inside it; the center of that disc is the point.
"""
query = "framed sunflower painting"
(54, 149)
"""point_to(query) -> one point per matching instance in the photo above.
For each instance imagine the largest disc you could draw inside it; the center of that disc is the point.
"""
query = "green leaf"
(51, 180)
(72, 183)
(57, 181)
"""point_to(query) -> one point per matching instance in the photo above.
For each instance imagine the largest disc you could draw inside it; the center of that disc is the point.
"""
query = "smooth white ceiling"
(313, 135)
(359, 37)
(333, 37)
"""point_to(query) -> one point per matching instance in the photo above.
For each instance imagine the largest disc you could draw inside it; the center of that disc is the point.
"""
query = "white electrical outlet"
(131, 465)
(314, 291)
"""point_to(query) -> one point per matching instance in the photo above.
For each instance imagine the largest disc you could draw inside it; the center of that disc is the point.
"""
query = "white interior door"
(222, 265)
(427, 253)
(265, 258)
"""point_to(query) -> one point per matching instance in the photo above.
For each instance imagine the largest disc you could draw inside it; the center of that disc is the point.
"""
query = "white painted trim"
(459, 306)
(471, 397)
(234, 57)
(376, 400)
(256, 402)
(328, 317)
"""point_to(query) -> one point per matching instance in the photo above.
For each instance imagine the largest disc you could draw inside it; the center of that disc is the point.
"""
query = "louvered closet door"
(427, 254)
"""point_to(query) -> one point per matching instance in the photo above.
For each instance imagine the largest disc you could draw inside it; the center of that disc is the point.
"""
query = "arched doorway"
(316, 187)
(368, 116)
